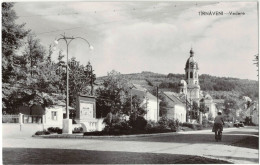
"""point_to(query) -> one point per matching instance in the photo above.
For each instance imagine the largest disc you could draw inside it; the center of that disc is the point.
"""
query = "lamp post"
(157, 99)
(68, 40)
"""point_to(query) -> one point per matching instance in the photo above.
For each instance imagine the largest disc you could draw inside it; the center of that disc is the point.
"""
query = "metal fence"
(27, 119)
(10, 119)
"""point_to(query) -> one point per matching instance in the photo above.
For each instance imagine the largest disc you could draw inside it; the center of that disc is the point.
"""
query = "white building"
(252, 112)
(150, 103)
(53, 117)
(209, 102)
(175, 109)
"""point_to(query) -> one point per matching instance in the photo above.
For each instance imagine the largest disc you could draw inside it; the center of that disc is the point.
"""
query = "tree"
(30, 78)
(33, 78)
(163, 106)
(12, 39)
(79, 80)
(203, 108)
(230, 107)
(194, 111)
(34, 53)
(112, 95)
(115, 96)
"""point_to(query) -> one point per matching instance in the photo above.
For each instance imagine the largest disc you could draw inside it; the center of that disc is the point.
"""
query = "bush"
(55, 130)
(163, 122)
(121, 127)
(193, 126)
(163, 125)
(77, 130)
(173, 124)
(44, 132)
(137, 122)
(198, 126)
(111, 119)
(205, 122)
(152, 127)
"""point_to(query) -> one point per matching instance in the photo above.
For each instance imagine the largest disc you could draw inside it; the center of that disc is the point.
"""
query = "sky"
(131, 37)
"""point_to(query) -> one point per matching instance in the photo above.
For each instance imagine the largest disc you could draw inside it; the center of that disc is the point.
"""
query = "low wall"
(91, 125)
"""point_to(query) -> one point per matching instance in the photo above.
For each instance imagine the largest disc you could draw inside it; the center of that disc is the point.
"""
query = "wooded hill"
(217, 87)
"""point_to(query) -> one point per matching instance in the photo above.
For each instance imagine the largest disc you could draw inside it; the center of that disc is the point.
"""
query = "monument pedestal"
(67, 126)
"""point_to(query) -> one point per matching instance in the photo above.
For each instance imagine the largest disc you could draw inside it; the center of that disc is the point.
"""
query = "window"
(186, 75)
(54, 115)
(191, 74)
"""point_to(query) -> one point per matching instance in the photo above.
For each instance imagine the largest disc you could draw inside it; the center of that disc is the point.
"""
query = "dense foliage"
(31, 77)
(217, 87)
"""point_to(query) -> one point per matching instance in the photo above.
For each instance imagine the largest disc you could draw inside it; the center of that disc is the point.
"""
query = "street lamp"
(66, 127)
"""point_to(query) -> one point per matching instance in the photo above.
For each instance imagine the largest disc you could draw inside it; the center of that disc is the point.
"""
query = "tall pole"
(187, 111)
(131, 99)
(91, 80)
(68, 41)
(67, 101)
(157, 104)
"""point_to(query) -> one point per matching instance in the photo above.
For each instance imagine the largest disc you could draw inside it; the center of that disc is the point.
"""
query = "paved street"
(239, 145)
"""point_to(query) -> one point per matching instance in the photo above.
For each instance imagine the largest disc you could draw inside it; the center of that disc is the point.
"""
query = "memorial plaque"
(86, 108)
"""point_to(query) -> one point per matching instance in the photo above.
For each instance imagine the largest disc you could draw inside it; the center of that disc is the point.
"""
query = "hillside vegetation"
(217, 87)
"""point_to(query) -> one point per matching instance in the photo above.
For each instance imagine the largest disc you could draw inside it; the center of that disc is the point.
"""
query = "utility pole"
(157, 103)
(131, 98)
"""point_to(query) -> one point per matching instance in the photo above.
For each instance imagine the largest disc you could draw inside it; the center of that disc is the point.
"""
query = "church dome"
(183, 83)
(191, 63)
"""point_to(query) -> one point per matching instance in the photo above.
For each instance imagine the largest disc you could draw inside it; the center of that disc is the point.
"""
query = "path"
(197, 143)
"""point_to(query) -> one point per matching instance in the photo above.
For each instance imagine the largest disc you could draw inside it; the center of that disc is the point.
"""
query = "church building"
(190, 87)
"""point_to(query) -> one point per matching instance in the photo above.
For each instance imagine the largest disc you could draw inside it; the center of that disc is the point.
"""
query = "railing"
(10, 119)
(29, 119)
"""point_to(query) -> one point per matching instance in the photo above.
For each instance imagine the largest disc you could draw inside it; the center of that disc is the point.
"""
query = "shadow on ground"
(64, 156)
(249, 142)
(235, 140)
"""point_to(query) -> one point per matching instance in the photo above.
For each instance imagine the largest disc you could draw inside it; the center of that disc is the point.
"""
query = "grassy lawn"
(249, 142)
(67, 156)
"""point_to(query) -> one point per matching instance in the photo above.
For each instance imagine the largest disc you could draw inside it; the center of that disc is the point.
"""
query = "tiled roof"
(143, 94)
(174, 98)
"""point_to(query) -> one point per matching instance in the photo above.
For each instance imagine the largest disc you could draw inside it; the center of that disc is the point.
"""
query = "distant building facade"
(175, 108)
(149, 102)
(252, 112)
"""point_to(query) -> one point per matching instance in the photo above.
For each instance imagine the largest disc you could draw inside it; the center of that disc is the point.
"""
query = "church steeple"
(191, 69)
(191, 52)
(192, 78)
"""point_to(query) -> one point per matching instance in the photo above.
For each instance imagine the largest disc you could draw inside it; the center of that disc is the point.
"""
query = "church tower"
(192, 78)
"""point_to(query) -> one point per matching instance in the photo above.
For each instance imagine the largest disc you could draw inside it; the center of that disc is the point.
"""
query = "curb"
(97, 137)
(71, 136)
